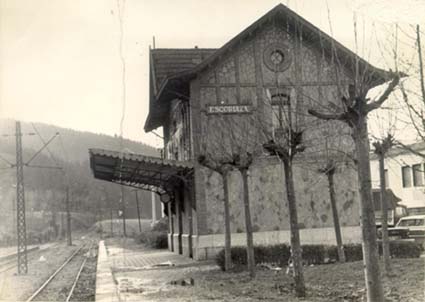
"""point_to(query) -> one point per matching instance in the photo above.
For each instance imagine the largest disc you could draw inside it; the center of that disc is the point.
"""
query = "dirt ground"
(333, 282)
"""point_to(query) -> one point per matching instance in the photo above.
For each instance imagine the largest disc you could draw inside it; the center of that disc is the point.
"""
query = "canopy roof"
(135, 170)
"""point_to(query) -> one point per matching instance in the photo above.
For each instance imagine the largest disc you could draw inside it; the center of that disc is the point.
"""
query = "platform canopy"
(143, 172)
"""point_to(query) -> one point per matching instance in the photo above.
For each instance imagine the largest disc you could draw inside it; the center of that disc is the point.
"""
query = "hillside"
(75, 143)
(45, 188)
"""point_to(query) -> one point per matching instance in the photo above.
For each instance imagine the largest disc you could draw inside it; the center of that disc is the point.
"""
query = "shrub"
(157, 240)
(238, 257)
(275, 254)
(314, 254)
(353, 252)
(161, 225)
(140, 238)
(153, 239)
(404, 249)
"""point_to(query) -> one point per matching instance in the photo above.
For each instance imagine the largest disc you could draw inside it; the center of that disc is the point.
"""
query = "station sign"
(229, 109)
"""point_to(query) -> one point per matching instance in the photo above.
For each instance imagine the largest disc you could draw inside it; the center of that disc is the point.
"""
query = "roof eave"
(154, 120)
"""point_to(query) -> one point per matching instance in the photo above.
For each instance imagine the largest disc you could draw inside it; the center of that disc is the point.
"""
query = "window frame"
(278, 101)
(405, 183)
(417, 183)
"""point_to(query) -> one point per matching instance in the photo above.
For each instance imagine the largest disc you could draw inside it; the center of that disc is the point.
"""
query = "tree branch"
(327, 116)
(410, 149)
(376, 104)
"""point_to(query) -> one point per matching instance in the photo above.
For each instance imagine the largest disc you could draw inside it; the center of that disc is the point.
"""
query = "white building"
(404, 173)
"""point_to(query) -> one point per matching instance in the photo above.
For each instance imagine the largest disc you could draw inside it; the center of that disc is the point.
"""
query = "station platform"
(130, 272)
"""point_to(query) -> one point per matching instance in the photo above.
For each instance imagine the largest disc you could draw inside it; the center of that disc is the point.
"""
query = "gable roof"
(168, 62)
(294, 23)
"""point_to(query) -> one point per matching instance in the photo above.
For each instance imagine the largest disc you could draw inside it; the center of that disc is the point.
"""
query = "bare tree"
(222, 168)
(356, 107)
(413, 99)
(232, 146)
(329, 169)
(381, 149)
(285, 140)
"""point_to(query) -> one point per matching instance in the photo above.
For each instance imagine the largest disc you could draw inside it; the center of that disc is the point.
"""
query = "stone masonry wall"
(269, 208)
(242, 77)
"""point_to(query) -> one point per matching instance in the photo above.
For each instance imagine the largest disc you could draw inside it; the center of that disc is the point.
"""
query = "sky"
(60, 61)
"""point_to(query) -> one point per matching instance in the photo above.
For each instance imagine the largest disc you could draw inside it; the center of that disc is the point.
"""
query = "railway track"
(60, 286)
(7, 265)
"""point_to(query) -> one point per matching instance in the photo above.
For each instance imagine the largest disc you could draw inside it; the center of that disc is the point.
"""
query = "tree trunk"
(227, 233)
(249, 237)
(384, 208)
(368, 226)
(295, 234)
(421, 63)
(340, 247)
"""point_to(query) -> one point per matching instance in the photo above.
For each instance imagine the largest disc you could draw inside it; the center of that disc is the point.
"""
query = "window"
(418, 178)
(277, 57)
(406, 174)
(279, 102)
(411, 222)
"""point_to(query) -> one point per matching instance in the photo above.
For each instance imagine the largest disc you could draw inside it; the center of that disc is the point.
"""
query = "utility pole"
(20, 205)
(14, 219)
(68, 219)
(123, 211)
(20, 194)
(138, 211)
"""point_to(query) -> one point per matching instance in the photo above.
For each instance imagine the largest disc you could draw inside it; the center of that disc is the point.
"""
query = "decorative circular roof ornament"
(277, 57)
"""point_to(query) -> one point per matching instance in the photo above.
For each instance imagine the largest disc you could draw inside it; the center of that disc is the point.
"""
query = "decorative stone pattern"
(228, 95)
(248, 95)
(208, 77)
(247, 65)
(268, 199)
(226, 72)
(209, 96)
(273, 35)
(313, 85)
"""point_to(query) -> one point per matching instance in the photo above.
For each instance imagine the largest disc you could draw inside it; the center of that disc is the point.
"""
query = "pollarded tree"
(284, 139)
(355, 108)
(232, 145)
(334, 157)
(223, 168)
(381, 149)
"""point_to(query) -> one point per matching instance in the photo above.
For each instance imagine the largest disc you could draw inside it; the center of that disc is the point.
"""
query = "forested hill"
(45, 188)
(70, 145)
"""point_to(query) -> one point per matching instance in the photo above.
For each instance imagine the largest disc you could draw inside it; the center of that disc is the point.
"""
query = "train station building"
(207, 99)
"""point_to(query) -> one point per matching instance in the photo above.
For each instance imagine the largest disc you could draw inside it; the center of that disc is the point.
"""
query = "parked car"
(407, 227)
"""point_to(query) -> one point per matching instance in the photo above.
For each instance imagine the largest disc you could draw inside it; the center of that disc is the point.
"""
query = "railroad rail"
(60, 269)
(6, 265)
(77, 277)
